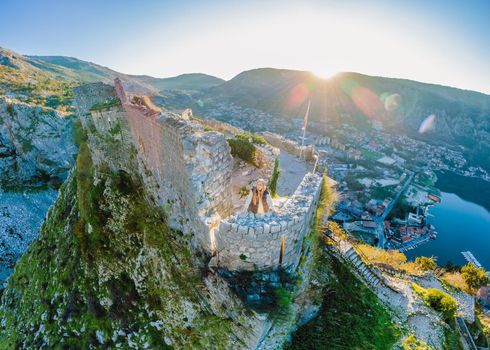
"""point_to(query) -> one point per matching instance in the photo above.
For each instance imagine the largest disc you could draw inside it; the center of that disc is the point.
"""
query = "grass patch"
(438, 300)
(78, 134)
(370, 155)
(451, 337)
(412, 343)
(455, 280)
(394, 258)
(350, 318)
(113, 102)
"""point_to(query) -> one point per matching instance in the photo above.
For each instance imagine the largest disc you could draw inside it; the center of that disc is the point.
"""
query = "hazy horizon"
(433, 43)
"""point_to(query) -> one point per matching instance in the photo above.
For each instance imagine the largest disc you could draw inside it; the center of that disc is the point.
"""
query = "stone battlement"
(247, 241)
(307, 152)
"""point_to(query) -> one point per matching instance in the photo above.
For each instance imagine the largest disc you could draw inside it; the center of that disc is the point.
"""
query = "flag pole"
(305, 121)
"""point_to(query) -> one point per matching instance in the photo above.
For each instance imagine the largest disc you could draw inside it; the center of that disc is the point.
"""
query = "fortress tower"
(188, 170)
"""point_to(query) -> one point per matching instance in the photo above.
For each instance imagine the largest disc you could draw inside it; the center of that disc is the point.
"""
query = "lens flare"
(367, 101)
(297, 95)
(427, 124)
(391, 102)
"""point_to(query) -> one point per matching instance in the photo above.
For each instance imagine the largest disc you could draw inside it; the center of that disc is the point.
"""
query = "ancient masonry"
(247, 241)
(306, 152)
(191, 172)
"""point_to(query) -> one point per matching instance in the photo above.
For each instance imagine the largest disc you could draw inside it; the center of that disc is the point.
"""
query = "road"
(463, 330)
(380, 219)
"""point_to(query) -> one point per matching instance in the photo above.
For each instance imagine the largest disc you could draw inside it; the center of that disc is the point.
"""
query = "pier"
(469, 257)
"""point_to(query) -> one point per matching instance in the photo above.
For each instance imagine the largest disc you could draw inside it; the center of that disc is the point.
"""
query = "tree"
(272, 185)
(473, 276)
(353, 183)
(425, 263)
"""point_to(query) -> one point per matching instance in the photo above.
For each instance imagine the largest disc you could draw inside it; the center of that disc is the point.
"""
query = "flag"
(305, 121)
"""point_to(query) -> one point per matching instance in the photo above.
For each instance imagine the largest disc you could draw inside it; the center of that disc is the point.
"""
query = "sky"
(441, 42)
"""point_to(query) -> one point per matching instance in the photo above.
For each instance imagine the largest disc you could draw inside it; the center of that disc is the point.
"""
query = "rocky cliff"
(36, 145)
(108, 271)
(36, 153)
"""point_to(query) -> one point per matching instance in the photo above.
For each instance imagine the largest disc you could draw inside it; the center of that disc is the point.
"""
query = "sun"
(324, 72)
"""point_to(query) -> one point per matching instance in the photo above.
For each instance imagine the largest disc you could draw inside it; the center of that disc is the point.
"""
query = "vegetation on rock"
(473, 276)
(242, 148)
(350, 317)
(425, 263)
(106, 104)
(107, 270)
(412, 343)
(393, 258)
(438, 300)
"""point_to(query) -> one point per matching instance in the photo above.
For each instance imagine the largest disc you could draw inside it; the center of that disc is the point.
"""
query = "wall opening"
(283, 246)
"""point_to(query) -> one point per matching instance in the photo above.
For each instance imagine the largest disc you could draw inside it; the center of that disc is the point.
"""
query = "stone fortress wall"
(189, 172)
(264, 155)
(187, 169)
(248, 242)
(289, 146)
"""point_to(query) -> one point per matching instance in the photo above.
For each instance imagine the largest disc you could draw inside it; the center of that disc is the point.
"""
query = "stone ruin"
(249, 242)
(189, 171)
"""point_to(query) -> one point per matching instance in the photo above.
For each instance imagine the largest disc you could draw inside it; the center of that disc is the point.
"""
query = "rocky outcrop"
(36, 153)
(114, 268)
(36, 145)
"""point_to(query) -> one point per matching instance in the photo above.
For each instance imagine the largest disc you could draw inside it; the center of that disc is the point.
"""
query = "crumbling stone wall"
(248, 242)
(264, 155)
(289, 146)
(188, 170)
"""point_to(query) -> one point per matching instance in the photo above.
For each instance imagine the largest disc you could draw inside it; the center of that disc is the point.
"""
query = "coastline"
(471, 189)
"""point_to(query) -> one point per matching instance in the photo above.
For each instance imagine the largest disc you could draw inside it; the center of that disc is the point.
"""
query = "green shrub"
(350, 318)
(473, 276)
(11, 110)
(438, 300)
(283, 303)
(106, 104)
(272, 185)
(242, 148)
(412, 343)
(26, 146)
(79, 135)
(426, 264)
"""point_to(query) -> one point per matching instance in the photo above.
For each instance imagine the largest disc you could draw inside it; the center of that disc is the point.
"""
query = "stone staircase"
(346, 252)
(365, 272)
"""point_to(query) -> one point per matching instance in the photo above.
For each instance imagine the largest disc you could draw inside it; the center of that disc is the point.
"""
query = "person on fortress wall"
(259, 201)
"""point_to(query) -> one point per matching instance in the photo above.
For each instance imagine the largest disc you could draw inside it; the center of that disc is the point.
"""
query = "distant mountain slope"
(462, 116)
(83, 71)
(191, 81)
(72, 68)
(55, 75)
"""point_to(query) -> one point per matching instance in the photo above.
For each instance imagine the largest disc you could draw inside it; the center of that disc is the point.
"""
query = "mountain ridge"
(462, 116)
(72, 69)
